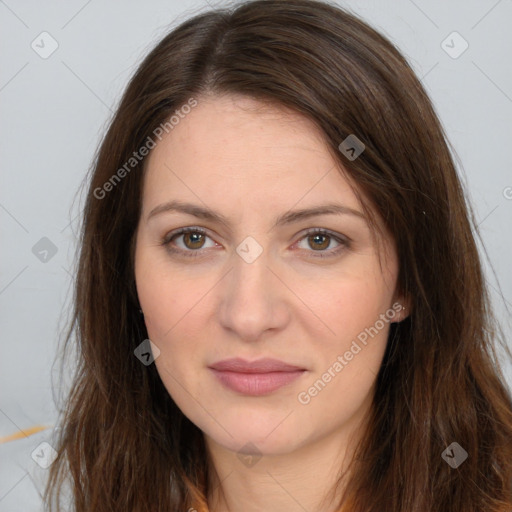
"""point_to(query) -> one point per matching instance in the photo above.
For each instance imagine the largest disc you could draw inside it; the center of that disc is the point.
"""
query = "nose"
(253, 299)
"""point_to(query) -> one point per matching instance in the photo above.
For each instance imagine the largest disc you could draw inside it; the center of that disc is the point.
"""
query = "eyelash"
(344, 243)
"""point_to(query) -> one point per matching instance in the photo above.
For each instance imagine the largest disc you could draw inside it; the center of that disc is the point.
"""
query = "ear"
(402, 305)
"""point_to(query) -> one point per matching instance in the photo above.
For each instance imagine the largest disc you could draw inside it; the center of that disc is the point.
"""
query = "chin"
(269, 436)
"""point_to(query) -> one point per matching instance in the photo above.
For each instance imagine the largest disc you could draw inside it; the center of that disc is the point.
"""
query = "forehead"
(240, 151)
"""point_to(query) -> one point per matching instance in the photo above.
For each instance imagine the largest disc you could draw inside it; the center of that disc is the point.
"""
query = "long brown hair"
(124, 445)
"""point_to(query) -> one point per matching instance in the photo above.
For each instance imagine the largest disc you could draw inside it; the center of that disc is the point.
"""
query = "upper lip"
(264, 365)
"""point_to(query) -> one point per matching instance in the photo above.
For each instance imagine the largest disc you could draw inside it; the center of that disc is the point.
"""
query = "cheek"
(168, 306)
(165, 297)
(347, 361)
(350, 355)
(349, 304)
(168, 313)
(174, 307)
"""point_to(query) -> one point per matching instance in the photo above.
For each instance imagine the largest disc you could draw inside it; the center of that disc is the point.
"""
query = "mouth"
(255, 378)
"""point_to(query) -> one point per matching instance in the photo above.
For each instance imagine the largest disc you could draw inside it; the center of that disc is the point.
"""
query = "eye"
(192, 239)
(319, 239)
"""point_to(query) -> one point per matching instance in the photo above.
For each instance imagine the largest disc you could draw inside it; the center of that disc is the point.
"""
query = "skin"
(252, 162)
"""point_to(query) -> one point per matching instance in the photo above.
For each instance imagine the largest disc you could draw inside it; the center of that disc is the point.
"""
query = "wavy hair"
(124, 445)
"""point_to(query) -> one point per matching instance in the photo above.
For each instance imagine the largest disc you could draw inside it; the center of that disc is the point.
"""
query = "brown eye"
(187, 241)
(193, 240)
(319, 241)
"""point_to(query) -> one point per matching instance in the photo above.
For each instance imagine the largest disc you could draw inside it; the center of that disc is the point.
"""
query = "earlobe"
(402, 308)
(402, 314)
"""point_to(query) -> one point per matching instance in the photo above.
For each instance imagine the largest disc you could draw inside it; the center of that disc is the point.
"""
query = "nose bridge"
(250, 273)
(251, 299)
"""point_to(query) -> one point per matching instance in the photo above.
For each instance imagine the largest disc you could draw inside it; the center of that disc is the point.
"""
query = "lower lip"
(256, 384)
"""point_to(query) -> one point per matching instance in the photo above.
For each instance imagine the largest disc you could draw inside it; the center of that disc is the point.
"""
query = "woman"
(279, 301)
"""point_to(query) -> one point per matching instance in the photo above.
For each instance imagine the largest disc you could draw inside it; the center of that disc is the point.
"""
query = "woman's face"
(256, 284)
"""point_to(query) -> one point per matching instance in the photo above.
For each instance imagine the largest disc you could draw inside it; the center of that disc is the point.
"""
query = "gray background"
(54, 111)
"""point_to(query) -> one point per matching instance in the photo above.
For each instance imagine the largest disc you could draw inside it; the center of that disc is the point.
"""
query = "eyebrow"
(284, 219)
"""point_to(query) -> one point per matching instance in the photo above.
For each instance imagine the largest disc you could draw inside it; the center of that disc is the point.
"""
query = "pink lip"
(264, 365)
(255, 378)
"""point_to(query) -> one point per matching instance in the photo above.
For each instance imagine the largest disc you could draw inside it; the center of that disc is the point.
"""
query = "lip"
(264, 365)
(257, 377)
